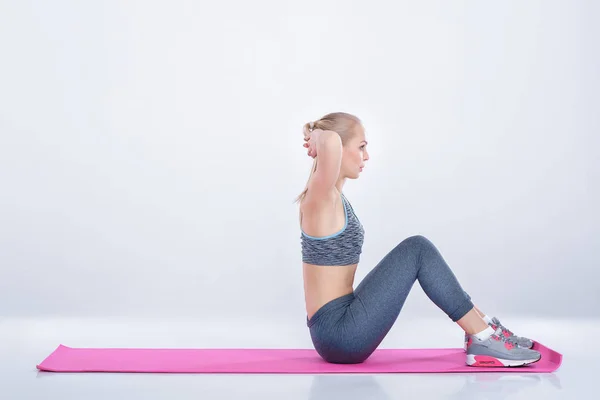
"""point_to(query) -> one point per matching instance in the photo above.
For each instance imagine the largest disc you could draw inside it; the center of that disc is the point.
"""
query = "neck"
(340, 184)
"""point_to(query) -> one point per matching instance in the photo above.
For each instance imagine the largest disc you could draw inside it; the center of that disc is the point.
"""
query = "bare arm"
(329, 161)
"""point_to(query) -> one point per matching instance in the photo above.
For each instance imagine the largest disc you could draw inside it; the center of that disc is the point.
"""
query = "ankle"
(487, 319)
(472, 323)
(484, 334)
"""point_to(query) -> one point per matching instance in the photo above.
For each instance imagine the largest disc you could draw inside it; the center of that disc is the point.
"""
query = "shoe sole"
(474, 360)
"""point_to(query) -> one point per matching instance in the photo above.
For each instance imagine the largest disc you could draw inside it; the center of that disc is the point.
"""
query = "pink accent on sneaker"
(508, 345)
(506, 334)
(494, 326)
(487, 361)
(469, 341)
(495, 337)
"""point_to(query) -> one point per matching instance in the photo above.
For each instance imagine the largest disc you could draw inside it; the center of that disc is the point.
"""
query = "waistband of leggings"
(332, 304)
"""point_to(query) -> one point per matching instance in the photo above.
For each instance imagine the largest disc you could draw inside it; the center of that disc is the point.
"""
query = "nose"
(365, 155)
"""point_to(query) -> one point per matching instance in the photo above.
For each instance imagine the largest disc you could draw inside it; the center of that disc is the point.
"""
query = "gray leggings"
(348, 329)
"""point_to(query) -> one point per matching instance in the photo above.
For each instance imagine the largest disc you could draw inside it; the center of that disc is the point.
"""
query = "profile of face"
(354, 155)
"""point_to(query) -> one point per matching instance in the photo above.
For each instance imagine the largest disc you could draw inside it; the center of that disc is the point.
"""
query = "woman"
(347, 325)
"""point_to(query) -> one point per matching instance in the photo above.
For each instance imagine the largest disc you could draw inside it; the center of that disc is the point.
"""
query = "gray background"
(150, 151)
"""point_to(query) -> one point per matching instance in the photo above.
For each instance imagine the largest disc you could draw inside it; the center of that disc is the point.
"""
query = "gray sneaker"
(521, 341)
(498, 351)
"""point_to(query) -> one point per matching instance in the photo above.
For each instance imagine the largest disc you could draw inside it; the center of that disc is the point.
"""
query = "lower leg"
(481, 313)
(442, 287)
(435, 274)
(472, 322)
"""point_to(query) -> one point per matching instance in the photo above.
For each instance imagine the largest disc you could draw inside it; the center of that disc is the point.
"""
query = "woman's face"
(354, 155)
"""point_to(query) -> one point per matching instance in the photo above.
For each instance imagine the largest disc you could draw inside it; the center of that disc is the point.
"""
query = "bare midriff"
(323, 283)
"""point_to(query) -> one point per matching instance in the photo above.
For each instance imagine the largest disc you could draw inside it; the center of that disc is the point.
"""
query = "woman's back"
(331, 245)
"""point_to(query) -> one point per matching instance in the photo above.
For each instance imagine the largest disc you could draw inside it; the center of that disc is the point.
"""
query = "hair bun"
(312, 125)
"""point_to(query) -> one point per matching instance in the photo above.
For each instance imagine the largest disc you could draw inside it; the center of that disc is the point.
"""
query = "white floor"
(26, 342)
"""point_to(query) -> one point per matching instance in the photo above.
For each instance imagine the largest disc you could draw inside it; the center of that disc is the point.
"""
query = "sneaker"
(519, 340)
(498, 351)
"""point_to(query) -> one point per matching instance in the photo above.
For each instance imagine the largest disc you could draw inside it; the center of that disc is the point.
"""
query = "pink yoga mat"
(296, 361)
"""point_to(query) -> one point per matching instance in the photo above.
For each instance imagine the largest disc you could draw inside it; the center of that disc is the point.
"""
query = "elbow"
(330, 139)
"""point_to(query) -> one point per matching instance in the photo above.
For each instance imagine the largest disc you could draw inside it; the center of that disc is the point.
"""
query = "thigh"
(379, 298)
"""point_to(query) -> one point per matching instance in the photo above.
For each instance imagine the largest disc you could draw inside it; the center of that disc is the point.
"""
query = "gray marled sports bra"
(341, 248)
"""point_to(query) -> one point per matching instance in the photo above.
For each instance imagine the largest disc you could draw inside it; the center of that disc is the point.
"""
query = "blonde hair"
(343, 124)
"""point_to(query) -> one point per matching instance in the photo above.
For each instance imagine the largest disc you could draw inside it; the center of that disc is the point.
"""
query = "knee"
(416, 240)
(416, 245)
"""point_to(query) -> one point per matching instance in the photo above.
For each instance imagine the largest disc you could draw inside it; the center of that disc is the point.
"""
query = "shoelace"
(510, 339)
(504, 328)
